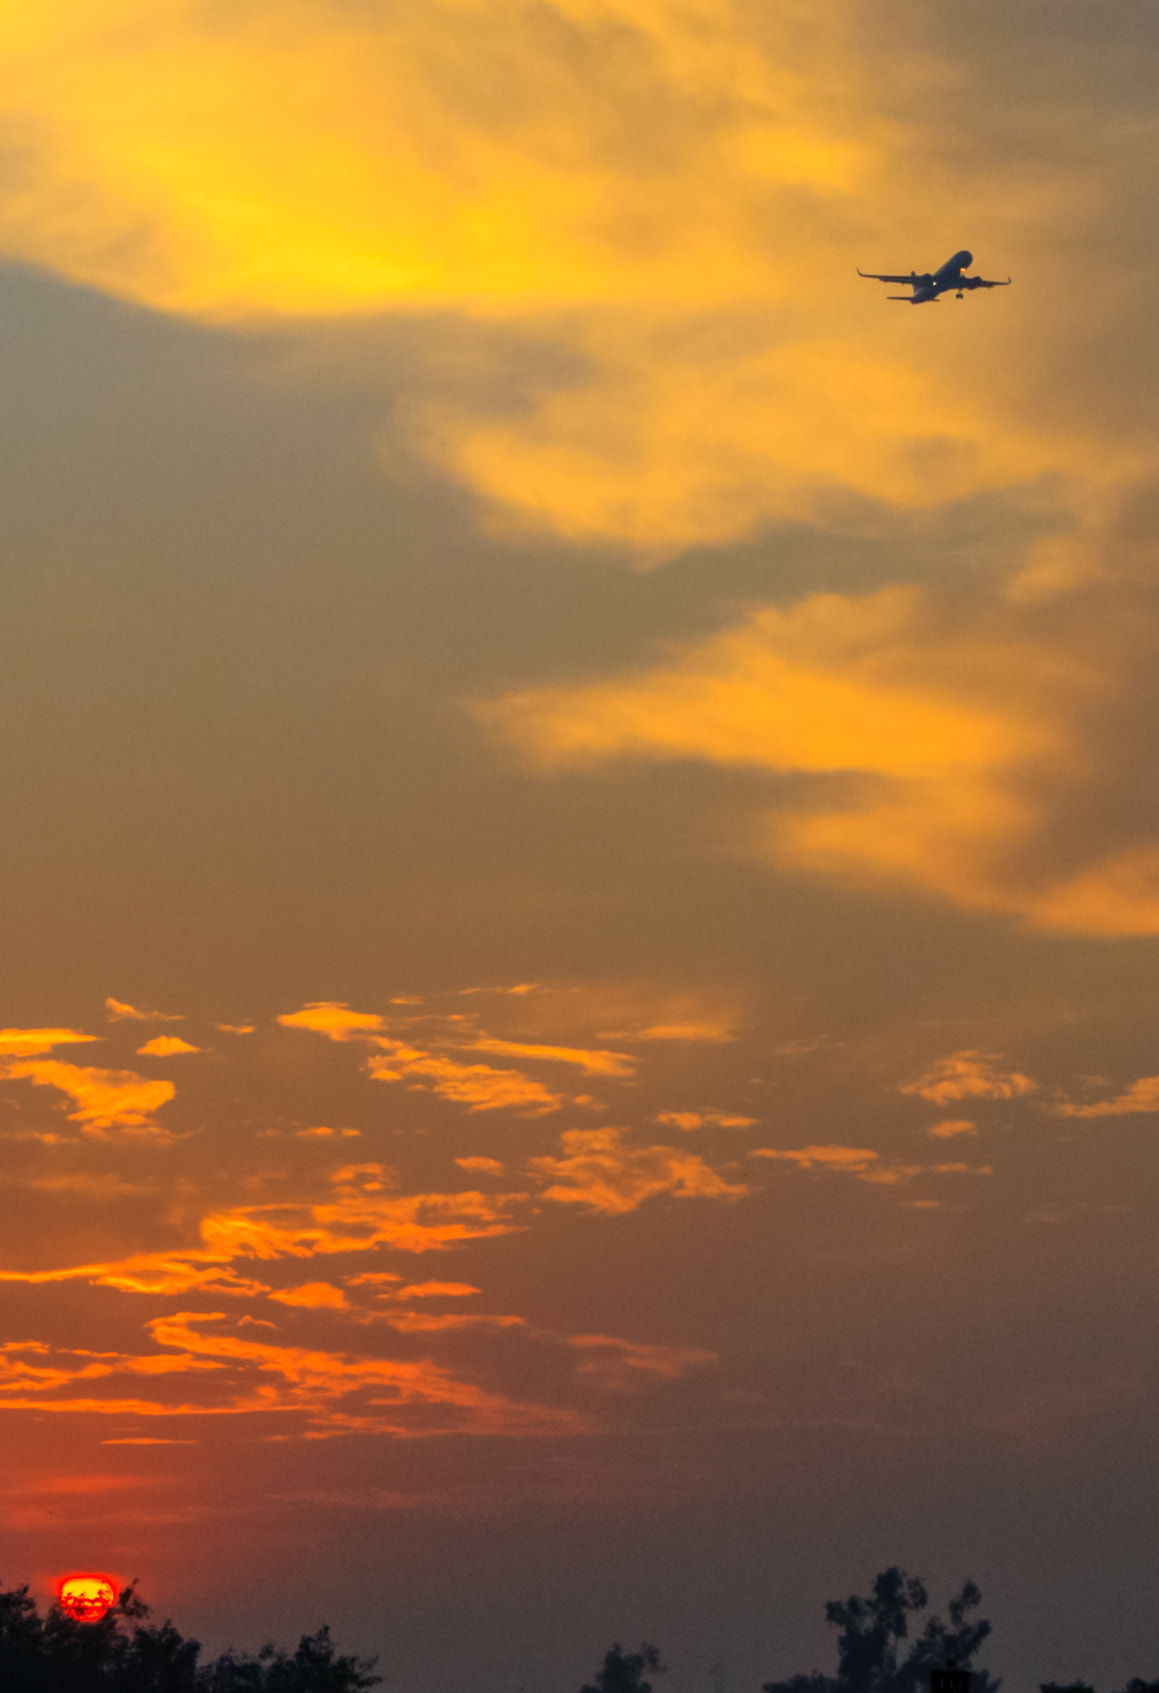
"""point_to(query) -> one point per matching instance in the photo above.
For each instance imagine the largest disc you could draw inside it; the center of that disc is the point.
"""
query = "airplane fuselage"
(946, 280)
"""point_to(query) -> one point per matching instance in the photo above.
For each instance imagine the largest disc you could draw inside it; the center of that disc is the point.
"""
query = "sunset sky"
(580, 874)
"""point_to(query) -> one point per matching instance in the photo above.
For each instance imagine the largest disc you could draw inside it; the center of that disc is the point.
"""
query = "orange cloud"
(864, 1165)
(943, 743)
(165, 1046)
(424, 1322)
(1141, 1096)
(969, 1075)
(478, 1086)
(330, 1391)
(389, 1396)
(312, 1296)
(689, 1120)
(679, 438)
(951, 1127)
(153, 1273)
(820, 687)
(930, 725)
(335, 1020)
(486, 1166)
(854, 1160)
(26, 1043)
(362, 1215)
(104, 1099)
(437, 1290)
(620, 1366)
(687, 1031)
(598, 1170)
(594, 1063)
(117, 1010)
(322, 1133)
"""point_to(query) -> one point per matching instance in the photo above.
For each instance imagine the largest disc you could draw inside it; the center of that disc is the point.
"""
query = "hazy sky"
(580, 875)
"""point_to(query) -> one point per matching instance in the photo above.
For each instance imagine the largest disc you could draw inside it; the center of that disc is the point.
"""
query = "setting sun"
(86, 1598)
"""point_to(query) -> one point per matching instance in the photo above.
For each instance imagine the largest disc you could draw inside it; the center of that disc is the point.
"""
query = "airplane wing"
(875, 276)
(981, 282)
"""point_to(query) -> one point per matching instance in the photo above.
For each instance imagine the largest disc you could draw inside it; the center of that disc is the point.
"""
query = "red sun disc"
(86, 1598)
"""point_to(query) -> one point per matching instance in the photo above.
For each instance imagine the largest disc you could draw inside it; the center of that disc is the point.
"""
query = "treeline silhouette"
(871, 1657)
(126, 1653)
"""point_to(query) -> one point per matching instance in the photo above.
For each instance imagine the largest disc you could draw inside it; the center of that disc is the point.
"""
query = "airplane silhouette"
(951, 279)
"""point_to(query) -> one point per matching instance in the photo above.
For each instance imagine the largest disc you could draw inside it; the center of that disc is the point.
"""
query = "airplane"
(951, 279)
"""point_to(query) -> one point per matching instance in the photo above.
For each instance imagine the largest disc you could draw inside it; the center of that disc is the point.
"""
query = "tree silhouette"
(623, 1672)
(124, 1653)
(871, 1629)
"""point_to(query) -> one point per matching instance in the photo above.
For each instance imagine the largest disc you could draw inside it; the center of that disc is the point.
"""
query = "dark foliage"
(870, 1632)
(125, 1653)
(1133, 1686)
(623, 1672)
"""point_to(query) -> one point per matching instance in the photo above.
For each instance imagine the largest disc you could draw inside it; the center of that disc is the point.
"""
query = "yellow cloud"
(969, 1075)
(687, 434)
(1141, 1096)
(598, 1170)
(952, 749)
(165, 1046)
(490, 154)
(830, 685)
(104, 1099)
(663, 190)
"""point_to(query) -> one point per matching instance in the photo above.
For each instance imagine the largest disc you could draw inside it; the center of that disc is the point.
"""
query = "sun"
(86, 1598)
